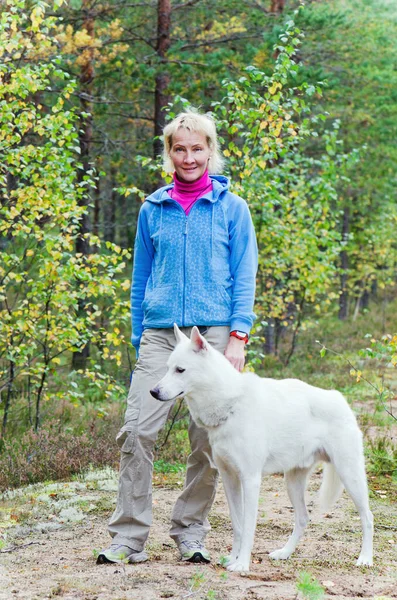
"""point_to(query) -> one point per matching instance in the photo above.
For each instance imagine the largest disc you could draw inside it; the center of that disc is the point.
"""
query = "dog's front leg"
(250, 488)
(234, 495)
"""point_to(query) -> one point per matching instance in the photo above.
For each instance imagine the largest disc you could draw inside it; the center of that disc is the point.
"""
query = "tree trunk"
(365, 299)
(38, 398)
(277, 6)
(270, 331)
(344, 259)
(97, 208)
(161, 98)
(85, 139)
(109, 226)
(124, 224)
(10, 386)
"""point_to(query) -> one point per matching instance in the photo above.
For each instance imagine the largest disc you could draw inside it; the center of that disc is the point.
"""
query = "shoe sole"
(132, 559)
(197, 558)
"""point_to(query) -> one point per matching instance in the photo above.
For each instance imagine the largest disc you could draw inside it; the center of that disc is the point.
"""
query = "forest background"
(306, 102)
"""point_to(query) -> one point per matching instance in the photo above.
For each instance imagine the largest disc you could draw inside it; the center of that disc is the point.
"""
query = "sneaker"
(118, 553)
(194, 551)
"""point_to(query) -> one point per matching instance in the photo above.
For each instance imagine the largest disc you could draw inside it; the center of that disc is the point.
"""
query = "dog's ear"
(198, 341)
(179, 336)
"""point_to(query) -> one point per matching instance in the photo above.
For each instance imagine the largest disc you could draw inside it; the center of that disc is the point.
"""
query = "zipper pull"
(185, 232)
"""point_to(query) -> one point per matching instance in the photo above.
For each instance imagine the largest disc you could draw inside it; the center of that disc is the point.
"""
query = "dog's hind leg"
(351, 470)
(250, 488)
(296, 486)
(234, 495)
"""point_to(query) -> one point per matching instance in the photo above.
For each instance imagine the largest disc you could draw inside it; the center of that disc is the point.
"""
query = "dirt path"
(53, 530)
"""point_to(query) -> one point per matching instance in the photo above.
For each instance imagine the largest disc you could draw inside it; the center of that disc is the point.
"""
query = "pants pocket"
(126, 437)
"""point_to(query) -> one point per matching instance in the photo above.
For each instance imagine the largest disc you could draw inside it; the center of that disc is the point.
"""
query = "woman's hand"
(235, 353)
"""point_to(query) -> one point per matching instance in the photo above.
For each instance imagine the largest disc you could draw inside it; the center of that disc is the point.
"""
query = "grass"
(162, 466)
(309, 587)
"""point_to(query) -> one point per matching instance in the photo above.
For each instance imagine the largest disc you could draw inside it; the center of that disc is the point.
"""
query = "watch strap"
(240, 335)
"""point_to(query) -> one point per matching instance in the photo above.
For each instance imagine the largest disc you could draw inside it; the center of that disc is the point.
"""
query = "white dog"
(260, 426)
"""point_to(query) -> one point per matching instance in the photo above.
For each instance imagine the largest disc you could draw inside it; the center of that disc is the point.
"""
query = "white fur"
(260, 426)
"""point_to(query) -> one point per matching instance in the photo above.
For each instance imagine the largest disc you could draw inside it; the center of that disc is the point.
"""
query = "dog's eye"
(179, 370)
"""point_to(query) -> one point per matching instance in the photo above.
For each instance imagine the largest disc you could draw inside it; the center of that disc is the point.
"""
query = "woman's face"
(189, 153)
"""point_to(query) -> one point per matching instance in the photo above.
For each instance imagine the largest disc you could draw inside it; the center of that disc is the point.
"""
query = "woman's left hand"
(235, 353)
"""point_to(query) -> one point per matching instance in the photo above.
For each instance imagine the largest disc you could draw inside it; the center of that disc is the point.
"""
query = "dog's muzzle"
(155, 392)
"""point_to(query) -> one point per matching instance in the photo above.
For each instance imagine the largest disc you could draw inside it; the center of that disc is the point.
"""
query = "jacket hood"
(220, 185)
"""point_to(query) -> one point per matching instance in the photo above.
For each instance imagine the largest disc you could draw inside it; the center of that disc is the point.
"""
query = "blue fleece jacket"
(194, 270)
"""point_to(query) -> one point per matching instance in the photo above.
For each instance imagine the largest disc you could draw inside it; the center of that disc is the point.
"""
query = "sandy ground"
(50, 534)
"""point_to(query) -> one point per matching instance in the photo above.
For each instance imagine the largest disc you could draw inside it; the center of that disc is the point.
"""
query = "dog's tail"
(331, 487)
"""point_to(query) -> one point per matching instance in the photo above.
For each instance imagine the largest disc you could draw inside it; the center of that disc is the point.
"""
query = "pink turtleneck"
(187, 193)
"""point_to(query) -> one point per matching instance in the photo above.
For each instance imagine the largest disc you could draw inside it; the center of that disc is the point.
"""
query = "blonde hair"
(192, 120)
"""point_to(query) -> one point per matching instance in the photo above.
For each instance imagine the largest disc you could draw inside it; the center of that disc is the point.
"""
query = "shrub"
(51, 454)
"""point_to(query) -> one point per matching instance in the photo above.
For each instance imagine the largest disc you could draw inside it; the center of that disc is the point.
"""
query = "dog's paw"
(281, 554)
(364, 561)
(238, 567)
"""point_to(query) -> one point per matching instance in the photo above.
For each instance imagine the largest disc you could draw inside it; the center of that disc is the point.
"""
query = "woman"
(195, 263)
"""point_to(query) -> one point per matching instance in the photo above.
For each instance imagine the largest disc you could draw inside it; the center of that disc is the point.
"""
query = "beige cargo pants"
(145, 416)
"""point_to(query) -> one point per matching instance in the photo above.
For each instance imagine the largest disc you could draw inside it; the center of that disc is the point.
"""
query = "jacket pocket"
(159, 305)
(210, 303)
(127, 436)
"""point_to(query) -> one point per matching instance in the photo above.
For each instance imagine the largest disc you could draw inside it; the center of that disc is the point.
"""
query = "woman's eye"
(179, 370)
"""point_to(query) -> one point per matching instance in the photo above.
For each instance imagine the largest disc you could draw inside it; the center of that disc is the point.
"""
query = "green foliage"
(309, 587)
(161, 466)
(267, 122)
(382, 457)
(42, 279)
(383, 350)
(197, 580)
(361, 92)
(223, 561)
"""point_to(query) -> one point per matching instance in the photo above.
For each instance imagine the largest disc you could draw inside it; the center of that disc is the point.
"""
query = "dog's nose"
(155, 393)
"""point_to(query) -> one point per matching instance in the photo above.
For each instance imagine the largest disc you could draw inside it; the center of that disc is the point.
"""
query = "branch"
(185, 4)
(20, 546)
(220, 41)
(185, 62)
(171, 426)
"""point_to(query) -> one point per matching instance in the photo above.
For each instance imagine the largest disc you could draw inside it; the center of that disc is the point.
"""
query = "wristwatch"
(240, 335)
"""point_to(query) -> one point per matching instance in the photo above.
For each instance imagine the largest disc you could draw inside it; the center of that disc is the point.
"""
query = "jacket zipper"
(184, 271)
(184, 256)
